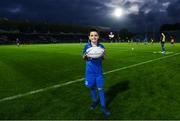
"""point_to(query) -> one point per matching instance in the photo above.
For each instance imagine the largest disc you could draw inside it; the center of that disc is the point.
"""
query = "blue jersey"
(94, 75)
(93, 66)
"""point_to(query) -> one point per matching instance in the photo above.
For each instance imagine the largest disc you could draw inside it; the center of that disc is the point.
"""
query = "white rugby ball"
(94, 52)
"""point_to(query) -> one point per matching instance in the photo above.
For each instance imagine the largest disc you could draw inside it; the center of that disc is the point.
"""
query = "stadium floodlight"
(118, 12)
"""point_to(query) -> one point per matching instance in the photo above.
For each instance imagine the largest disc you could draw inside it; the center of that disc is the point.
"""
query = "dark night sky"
(139, 15)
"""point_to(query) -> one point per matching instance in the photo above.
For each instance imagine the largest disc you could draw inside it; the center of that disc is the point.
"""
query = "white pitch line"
(79, 80)
(130, 66)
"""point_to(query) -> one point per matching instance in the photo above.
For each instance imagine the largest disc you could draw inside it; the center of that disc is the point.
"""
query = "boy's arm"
(84, 53)
(104, 54)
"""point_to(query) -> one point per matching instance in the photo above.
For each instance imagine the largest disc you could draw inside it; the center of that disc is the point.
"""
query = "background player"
(172, 40)
(162, 41)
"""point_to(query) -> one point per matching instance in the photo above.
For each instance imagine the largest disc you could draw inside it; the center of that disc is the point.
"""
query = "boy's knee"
(100, 89)
(90, 86)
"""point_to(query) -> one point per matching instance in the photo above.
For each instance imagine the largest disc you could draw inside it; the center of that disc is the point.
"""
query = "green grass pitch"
(146, 91)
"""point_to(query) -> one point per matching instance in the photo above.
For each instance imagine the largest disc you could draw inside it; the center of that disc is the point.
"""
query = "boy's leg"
(100, 84)
(94, 98)
(101, 96)
(93, 93)
(90, 83)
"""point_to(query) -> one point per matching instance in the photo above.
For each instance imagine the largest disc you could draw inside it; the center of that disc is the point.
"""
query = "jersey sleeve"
(84, 50)
(102, 46)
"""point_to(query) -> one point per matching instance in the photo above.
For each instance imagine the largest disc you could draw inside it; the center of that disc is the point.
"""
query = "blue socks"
(93, 93)
(102, 99)
(101, 96)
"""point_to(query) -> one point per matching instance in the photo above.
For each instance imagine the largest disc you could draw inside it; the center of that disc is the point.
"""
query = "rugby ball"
(94, 52)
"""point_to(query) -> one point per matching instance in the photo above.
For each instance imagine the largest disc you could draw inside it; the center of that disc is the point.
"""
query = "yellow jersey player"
(162, 41)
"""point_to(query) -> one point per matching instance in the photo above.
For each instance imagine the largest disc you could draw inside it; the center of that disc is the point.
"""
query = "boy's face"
(94, 36)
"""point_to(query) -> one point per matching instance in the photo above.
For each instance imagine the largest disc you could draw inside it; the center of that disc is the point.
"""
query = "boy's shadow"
(115, 90)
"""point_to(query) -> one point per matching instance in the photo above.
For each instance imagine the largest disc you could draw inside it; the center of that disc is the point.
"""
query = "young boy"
(94, 73)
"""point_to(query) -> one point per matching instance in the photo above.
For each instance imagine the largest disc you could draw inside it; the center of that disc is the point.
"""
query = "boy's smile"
(93, 37)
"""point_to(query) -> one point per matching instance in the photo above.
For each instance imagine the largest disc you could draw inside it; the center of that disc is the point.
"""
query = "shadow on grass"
(115, 90)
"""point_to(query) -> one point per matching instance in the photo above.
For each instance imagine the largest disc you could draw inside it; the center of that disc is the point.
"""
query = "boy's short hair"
(93, 30)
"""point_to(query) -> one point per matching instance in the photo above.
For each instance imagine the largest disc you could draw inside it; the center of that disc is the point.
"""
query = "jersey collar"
(89, 43)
